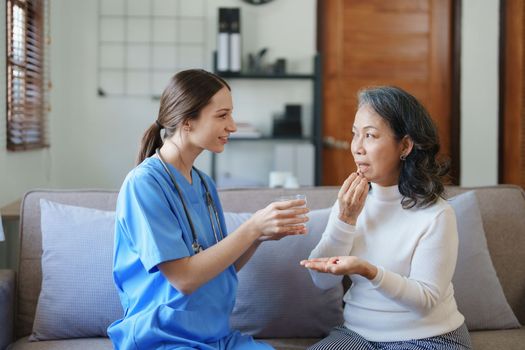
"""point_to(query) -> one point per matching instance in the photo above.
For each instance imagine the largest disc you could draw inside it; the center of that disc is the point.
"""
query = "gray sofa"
(503, 216)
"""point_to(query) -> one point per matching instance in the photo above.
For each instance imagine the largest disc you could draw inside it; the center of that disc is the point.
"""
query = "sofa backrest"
(502, 207)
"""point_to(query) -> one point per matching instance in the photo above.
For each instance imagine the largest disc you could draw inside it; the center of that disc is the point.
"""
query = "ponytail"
(151, 140)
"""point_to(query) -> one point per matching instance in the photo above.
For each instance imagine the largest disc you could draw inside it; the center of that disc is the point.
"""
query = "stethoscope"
(212, 209)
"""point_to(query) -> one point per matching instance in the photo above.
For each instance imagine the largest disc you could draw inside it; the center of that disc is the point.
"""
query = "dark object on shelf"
(223, 38)
(229, 41)
(290, 124)
(279, 67)
(235, 40)
(255, 62)
(292, 112)
(257, 2)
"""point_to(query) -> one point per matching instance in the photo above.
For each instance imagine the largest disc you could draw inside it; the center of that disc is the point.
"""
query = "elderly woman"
(392, 234)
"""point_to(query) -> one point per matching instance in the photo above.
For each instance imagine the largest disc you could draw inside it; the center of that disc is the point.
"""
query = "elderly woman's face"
(375, 149)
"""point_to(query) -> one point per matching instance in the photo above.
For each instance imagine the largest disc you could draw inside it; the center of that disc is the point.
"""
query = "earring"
(403, 157)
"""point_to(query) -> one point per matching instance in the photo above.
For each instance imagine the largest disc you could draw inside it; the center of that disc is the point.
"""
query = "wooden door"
(406, 43)
(512, 93)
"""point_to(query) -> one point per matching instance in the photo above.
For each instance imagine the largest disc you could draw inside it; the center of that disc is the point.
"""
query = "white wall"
(95, 140)
(479, 92)
(19, 171)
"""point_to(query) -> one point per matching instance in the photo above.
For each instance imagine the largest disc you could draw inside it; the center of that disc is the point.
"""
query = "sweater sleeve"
(337, 240)
(431, 270)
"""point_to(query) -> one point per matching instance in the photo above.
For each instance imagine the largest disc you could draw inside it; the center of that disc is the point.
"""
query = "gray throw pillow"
(276, 297)
(477, 288)
(78, 298)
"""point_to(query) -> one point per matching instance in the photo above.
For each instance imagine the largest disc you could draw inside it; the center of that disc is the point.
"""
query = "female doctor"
(174, 265)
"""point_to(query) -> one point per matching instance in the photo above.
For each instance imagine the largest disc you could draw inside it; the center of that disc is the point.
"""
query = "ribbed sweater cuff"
(340, 231)
(379, 277)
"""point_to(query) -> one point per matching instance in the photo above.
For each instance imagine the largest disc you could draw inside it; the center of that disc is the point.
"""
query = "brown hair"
(187, 93)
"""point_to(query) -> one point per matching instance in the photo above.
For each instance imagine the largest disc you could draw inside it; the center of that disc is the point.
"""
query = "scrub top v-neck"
(151, 228)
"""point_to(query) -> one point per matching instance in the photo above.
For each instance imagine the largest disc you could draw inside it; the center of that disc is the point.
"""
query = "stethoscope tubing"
(196, 246)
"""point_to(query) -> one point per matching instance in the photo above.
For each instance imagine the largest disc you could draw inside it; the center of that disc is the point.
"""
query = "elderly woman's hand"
(342, 265)
(351, 198)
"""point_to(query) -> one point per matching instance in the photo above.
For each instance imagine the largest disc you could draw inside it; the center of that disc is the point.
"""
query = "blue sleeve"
(151, 224)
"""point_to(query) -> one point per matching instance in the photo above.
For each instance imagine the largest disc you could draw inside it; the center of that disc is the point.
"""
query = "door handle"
(334, 143)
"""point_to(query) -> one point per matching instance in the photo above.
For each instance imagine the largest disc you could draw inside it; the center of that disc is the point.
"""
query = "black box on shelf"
(289, 125)
(292, 112)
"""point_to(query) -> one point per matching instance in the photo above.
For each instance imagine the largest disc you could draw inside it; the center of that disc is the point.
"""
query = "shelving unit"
(316, 134)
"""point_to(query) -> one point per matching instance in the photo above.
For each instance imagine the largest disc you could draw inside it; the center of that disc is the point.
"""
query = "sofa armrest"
(7, 305)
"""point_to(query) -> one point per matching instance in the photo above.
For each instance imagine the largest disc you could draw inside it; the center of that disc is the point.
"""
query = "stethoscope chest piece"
(197, 248)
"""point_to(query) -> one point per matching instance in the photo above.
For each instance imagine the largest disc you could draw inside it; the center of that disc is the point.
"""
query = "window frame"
(26, 98)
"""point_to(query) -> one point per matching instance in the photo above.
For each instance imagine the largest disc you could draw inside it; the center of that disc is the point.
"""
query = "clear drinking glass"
(292, 197)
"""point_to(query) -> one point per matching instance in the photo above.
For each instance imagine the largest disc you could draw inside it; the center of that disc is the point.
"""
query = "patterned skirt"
(342, 338)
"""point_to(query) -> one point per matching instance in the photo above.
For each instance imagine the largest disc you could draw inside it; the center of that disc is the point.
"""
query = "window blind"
(27, 81)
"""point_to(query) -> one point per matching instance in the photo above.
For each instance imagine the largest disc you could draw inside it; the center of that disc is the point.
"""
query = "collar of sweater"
(389, 193)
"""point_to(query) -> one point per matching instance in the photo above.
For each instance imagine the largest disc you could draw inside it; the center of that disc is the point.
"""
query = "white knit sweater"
(415, 251)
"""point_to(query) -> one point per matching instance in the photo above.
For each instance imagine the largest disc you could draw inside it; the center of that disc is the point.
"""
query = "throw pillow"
(477, 289)
(78, 298)
(276, 297)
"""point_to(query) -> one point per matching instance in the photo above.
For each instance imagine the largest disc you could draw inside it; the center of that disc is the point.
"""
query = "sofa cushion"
(291, 343)
(78, 298)
(276, 297)
(63, 344)
(508, 339)
(478, 292)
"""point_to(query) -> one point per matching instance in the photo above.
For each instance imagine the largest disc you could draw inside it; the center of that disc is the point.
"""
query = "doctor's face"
(375, 148)
(215, 123)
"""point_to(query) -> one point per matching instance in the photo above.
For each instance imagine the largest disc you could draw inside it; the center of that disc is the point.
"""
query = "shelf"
(270, 138)
(266, 76)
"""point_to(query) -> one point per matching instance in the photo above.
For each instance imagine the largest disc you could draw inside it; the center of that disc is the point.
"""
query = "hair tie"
(159, 125)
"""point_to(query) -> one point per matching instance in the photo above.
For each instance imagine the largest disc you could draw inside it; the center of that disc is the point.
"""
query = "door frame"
(511, 160)
(455, 99)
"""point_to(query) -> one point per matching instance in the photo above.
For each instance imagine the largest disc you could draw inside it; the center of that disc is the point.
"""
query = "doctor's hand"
(280, 219)
(342, 265)
(352, 197)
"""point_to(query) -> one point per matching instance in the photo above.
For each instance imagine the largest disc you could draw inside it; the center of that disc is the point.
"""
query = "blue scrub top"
(151, 227)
